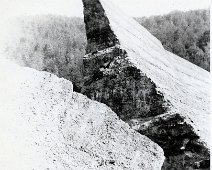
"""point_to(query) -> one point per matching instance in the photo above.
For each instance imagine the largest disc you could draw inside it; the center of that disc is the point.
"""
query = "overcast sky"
(74, 7)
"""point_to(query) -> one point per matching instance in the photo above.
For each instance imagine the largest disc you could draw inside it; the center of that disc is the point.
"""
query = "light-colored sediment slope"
(45, 125)
(158, 93)
(182, 83)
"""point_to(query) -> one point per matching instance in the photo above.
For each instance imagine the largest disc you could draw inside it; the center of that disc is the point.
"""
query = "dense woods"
(186, 34)
(50, 43)
(57, 44)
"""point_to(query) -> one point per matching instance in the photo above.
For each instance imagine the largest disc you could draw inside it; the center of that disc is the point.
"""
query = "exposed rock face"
(45, 125)
(104, 36)
(158, 93)
(112, 80)
(182, 146)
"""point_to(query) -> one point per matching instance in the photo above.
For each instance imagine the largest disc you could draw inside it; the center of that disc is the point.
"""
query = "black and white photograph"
(105, 85)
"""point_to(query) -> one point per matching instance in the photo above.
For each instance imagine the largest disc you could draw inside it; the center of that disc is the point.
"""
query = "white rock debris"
(45, 125)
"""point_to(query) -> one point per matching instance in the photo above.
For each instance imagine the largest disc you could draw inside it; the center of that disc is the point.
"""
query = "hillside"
(57, 44)
(45, 125)
(186, 34)
(134, 73)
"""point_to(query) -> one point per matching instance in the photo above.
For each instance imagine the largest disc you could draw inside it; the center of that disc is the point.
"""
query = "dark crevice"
(98, 31)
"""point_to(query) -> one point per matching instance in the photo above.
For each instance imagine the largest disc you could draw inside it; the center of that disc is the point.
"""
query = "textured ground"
(45, 125)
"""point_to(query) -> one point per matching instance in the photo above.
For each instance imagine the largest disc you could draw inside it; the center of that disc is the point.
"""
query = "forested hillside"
(186, 34)
(57, 44)
(50, 43)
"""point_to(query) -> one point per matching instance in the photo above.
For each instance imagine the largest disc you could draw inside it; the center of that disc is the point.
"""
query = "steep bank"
(158, 93)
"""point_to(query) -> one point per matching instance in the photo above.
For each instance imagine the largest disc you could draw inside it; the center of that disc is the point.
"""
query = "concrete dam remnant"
(156, 92)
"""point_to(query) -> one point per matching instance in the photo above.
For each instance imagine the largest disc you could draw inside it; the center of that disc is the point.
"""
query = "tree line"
(57, 44)
(186, 34)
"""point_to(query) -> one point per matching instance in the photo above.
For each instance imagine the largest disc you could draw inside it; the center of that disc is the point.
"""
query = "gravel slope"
(45, 125)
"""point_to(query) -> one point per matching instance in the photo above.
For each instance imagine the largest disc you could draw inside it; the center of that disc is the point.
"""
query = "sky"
(74, 7)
